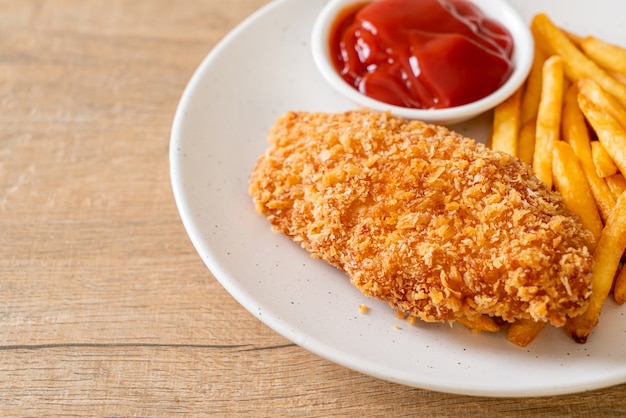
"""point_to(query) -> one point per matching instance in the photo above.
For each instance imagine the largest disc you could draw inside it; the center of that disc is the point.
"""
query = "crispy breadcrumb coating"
(436, 225)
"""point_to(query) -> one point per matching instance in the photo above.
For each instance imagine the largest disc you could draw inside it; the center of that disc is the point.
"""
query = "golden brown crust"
(423, 218)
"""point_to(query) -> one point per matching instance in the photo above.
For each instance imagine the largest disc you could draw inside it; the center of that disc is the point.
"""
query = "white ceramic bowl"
(498, 10)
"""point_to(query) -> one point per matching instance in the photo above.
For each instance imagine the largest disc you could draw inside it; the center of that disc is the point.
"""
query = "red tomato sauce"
(425, 54)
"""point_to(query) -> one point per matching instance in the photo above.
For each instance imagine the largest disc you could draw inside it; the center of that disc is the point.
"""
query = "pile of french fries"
(568, 122)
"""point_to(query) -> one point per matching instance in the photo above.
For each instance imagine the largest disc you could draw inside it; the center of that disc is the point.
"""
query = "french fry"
(532, 89)
(523, 331)
(526, 141)
(506, 125)
(479, 323)
(595, 94)
(605, 166)
(610, 133)
(574, 131)
(606, 259)
(617, 184)
(548, 118)
(575, 63)
(619, 77)
(606, 55)
(573, 37)
(619, 291)
(570, 180)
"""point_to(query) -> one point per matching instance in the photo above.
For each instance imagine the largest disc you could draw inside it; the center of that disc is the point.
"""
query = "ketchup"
(425, 54)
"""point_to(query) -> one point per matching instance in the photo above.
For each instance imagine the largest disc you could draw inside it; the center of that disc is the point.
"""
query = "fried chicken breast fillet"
(438, 226)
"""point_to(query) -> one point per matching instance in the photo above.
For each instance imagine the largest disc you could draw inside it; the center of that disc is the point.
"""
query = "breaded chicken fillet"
(436, 225)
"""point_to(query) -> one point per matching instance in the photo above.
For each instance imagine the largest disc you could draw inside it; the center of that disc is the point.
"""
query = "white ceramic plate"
(264, 68)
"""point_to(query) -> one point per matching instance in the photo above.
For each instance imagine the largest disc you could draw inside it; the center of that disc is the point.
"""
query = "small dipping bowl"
(498, 10)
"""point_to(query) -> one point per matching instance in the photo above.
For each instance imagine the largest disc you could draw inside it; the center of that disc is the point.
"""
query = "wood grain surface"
(105, 308)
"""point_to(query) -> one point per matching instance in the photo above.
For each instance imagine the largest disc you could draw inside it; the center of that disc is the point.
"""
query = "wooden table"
(105, 307)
